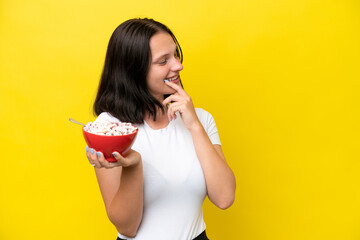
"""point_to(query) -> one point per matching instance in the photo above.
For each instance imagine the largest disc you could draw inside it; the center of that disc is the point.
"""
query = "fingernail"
(98, 154)
(87, 148)
(92, 151)
(114, 154)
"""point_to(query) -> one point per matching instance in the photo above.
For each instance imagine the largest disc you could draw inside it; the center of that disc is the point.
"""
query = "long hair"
(123, 90)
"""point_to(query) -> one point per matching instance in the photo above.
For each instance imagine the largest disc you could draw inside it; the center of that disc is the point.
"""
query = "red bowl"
(109, 144)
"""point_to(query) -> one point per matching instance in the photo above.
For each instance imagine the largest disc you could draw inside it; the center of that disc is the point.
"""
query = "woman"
(157, 189)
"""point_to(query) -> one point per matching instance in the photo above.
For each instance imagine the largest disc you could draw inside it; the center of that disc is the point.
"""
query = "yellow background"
(281, 78)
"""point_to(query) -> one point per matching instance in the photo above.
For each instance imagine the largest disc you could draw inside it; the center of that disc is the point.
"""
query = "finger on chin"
(173, 85)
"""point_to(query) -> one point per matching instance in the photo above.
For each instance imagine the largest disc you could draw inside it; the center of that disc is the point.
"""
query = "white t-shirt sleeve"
(104, 116)
(209, 125)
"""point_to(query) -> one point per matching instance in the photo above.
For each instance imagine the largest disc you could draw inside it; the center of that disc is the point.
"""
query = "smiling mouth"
(172, 79)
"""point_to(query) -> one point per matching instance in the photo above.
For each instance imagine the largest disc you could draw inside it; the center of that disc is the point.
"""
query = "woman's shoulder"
(105, 116)
(209, 125)
(203, 115)
(201, 112)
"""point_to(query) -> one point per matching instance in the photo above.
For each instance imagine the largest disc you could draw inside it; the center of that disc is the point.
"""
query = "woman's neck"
(161, 121)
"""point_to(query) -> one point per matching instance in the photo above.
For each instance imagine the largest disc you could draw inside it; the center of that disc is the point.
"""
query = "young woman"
(157, 189)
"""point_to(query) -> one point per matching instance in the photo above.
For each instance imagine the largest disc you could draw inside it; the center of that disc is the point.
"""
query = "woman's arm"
(121, 186)
(220, 180)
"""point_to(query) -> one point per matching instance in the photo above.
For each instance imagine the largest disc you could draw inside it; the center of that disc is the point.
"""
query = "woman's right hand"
(98, 160)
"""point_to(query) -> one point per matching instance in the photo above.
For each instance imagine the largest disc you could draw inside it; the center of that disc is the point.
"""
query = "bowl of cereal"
(108, 137)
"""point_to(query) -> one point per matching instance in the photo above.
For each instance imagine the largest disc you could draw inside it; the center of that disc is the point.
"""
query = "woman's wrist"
(196, 127)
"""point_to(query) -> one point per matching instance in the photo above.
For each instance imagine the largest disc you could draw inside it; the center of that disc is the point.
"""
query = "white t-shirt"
(174, 183)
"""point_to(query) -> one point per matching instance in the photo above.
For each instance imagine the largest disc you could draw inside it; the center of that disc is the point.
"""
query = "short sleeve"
(209, 125)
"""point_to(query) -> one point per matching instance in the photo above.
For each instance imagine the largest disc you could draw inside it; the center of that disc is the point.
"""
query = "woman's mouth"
(172, 79)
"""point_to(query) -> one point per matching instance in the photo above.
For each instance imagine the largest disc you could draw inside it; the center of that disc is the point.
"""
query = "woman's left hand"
(181, 102)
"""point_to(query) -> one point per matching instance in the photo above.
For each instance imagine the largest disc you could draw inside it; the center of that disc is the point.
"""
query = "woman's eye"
(163, 62)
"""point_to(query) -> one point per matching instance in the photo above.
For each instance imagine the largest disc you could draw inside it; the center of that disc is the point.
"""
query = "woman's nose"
(177, 66)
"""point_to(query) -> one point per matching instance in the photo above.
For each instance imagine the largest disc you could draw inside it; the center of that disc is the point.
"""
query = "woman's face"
(165, 65)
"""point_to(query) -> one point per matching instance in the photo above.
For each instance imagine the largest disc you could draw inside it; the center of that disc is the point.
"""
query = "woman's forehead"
(161, 44)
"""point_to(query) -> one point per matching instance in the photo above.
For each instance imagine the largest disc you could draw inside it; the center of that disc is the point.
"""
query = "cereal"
(107, 128)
